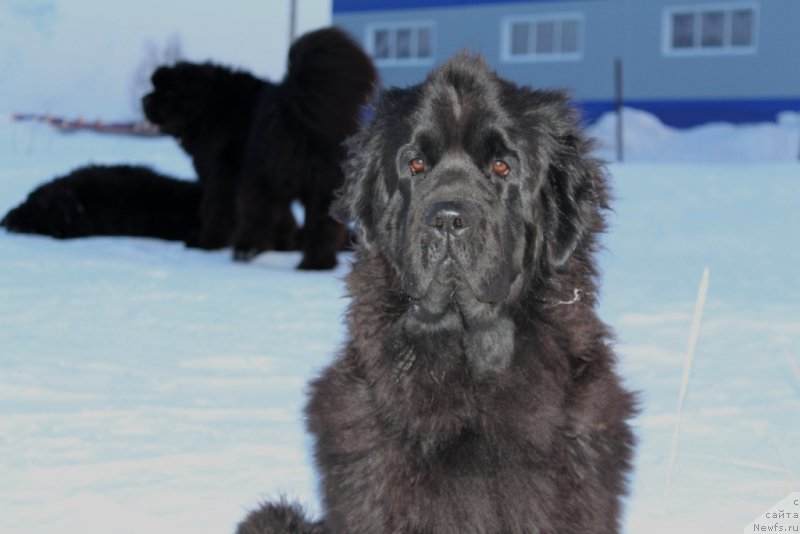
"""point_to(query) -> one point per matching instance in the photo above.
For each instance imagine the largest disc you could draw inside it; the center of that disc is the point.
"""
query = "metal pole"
(292, 21)
(618, 105)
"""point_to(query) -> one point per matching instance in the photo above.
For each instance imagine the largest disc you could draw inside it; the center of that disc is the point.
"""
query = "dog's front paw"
(245, 254)
(317, 263)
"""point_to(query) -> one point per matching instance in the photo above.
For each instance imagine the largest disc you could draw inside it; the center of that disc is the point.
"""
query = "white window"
(545, 37)
(708, 29)
(401, 43)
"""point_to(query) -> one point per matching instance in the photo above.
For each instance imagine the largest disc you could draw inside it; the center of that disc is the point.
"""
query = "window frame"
(698, 10)
(531, 19)
(393, 27)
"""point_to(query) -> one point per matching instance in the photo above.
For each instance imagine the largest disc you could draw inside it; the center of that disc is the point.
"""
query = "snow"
(738, 447)
(146, 387)
(645, 138)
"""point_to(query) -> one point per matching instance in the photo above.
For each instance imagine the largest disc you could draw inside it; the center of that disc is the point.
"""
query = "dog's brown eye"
(417, 165)
(500, 168)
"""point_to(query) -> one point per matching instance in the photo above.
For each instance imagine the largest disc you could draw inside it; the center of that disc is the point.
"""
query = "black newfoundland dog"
(477, 391)
(257, 146)
(109, 200)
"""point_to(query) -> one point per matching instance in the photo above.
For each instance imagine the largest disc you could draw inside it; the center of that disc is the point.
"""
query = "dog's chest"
(474, 486)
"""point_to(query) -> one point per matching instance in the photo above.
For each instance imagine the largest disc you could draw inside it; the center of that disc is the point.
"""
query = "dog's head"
(471, 187)
(189, 100)
(177, 97)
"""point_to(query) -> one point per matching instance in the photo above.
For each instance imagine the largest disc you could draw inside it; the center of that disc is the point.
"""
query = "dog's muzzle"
(451, 267)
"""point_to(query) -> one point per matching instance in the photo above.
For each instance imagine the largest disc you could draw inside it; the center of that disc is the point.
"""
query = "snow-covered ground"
(149, 388)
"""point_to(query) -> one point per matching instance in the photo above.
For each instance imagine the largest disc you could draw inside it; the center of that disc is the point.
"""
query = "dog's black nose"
(451, 216)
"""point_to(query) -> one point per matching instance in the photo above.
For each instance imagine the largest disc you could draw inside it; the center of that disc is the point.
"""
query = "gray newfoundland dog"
(477, 391)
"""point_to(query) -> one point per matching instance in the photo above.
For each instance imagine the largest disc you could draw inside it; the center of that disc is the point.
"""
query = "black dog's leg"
(322, 235)
(265, 220)
(217, 216)
(285, 234)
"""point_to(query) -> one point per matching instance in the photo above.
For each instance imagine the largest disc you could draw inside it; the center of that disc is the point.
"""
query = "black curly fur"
(109, 200)
(474, 395)
(257, 146)
(279, 518)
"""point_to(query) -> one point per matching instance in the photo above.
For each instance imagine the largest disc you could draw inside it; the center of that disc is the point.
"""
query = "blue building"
(687, 61)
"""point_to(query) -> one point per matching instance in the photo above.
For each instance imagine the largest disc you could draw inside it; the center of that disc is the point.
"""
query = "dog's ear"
(576, 195)
(343, 207)
(367, 174)
(159, 75)
(354, 201)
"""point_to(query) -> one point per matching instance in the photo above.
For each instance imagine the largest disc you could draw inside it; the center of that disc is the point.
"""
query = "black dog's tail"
(279, 518)
(329, 79)
(109, 200)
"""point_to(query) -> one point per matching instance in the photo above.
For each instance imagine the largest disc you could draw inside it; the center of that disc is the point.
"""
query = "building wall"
(477, 28)
(683, 90)
(773, 71)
